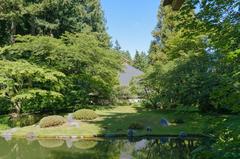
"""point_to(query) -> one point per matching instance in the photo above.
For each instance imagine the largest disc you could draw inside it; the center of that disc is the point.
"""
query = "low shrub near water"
(51, 121)
(85, 114)
(136, 125)
(177, 121)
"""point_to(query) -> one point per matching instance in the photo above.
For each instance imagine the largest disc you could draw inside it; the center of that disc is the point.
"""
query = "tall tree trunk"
(13, 31)
(17, 106)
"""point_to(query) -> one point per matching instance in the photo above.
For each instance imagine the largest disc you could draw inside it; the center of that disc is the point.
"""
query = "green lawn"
(116, 120)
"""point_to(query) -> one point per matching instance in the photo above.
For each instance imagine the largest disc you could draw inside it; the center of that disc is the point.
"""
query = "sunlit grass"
(117, 120)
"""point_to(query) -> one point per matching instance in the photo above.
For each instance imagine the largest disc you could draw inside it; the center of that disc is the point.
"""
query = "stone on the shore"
(164, 122)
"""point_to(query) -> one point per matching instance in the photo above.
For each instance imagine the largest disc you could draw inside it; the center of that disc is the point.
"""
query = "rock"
(182, 135)
(7, 136)
(62, 137)
(31, 136)
(140, 144)
(70, 118)
(164, 122)
(130, 132)
(149, 129)
(164, 140)
(13, 130)
(74, 137)
(125, 156)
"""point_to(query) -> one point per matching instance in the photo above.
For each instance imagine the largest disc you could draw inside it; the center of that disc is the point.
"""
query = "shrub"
(85, 114)
(136, 126)
(51, 121)
(24, 120)
(178, 121)
(5, 105)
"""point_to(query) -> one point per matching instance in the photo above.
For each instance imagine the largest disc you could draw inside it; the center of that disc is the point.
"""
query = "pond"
(141, 148)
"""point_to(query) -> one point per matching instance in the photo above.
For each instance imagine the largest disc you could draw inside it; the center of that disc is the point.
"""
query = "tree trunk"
(17, 106)
(13, 32)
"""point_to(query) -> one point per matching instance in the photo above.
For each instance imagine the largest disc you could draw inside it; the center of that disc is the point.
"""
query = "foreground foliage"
(51, 74)
(225, 142)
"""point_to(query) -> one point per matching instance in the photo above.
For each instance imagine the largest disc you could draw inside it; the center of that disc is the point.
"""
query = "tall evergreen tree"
(164, 29)
(140, 60)
(117, 46)
(52, 18)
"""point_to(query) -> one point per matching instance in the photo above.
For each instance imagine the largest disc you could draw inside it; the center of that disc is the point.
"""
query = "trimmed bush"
(52, 121)
(136, 126)
(85, 114)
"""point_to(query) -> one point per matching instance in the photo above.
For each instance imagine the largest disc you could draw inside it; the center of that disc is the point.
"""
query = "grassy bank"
(116, 120)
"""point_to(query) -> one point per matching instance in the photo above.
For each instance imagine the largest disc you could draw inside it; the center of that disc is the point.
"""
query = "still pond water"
(157, 148)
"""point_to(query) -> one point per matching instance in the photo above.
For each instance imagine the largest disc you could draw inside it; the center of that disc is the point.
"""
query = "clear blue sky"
(131, 22)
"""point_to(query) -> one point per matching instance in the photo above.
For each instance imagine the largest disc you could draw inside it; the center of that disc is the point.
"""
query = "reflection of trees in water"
(171, 149)
(22, 149)
(107, 149)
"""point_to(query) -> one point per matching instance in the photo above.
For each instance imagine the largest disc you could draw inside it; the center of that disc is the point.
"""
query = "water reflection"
(162, 147)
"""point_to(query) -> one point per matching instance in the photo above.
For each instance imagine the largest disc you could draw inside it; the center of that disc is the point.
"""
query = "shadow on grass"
(119, 122)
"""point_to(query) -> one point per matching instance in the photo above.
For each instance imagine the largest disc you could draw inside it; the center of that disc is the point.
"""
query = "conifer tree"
(140, 60)
(117, 46)
(164, 29)
(51, 18)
